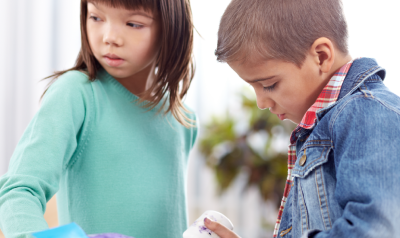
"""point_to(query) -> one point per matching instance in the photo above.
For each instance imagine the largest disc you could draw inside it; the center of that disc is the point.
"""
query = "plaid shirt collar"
(327, 97)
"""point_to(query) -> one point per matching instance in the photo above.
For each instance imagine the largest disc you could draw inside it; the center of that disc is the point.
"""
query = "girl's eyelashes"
(269, 88)
(133, 25)
(94, 18)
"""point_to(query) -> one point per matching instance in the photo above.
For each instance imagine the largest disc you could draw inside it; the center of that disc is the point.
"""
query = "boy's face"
(287, 90)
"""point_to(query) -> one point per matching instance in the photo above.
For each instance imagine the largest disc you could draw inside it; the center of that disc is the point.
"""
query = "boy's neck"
(340, 61)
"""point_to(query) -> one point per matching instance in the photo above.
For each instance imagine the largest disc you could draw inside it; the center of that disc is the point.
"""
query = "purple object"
(203, 228)
(109, 235)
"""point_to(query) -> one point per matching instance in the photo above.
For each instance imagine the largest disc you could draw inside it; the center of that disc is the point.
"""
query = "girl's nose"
(112, 37)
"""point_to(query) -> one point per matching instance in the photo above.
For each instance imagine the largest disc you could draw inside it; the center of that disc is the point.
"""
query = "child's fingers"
(219, 229)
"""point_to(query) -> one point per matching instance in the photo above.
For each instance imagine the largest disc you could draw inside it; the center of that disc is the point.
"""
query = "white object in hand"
(199, 230)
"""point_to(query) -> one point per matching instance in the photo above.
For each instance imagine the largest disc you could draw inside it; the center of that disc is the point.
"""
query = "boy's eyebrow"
(259, 80)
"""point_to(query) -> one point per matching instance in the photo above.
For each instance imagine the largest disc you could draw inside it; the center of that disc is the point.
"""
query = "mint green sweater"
(115, 167)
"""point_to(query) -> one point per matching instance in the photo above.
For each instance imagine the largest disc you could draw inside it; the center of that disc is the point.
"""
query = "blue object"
(109, 235)
(68, 231)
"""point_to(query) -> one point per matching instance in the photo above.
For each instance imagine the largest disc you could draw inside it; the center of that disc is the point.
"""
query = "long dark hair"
(175, 68)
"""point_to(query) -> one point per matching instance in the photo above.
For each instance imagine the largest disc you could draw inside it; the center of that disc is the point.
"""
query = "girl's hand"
(219, 229)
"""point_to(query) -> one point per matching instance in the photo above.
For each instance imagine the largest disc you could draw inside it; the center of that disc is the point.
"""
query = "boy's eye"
(269, 88)
(134, 25)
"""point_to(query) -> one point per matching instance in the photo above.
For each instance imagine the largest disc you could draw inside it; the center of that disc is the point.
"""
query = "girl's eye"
(95, 18)
(269, 88)
(133, 25)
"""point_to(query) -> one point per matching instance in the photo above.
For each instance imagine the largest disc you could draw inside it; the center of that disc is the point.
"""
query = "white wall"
(374, 28)
(37, 38)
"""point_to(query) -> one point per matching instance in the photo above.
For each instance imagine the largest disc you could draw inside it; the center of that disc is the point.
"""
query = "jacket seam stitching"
(366, 72)
(305, 209)
(387, 106)
(366, 91)
(319, 197)
(305, 168)
(326, 198)
(318, 140)
(318, 145)
(363, 91)
(342, 107)
(286, 231)
(357, 97)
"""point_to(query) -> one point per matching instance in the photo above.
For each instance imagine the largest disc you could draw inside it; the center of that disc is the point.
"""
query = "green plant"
(229, 152)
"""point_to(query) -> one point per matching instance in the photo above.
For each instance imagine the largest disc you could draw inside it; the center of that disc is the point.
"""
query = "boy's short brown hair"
(279, 29)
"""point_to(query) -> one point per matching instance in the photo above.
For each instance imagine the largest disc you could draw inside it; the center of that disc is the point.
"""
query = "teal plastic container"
(68, 231)
(73, 231)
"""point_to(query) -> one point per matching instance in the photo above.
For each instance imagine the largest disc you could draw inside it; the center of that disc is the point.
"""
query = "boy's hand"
(219, 229)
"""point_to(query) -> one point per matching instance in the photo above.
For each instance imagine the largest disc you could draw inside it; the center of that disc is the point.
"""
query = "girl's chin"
(118, 73)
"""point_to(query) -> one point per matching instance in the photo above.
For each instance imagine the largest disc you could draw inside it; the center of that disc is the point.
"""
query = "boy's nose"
(264, 103)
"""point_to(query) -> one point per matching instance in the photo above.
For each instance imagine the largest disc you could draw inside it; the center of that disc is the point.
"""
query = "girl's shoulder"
(71, 86)
(72, 79)
(191, 132)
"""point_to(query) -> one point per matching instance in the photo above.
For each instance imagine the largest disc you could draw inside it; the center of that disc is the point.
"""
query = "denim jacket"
(349, 185)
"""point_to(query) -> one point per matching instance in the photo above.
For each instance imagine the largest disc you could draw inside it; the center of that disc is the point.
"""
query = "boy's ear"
(323, 53)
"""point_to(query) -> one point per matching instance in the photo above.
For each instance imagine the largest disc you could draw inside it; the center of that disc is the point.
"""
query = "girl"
(99, 139)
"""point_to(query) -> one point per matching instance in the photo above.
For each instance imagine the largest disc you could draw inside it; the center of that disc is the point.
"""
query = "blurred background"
(239, 160)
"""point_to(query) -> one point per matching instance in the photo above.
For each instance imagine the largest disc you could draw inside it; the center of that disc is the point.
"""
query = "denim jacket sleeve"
(366, 135)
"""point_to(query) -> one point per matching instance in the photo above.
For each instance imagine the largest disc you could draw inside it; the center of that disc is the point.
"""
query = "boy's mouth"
(280, 116)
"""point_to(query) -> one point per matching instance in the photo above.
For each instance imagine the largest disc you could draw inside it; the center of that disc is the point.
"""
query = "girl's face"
(125, 42)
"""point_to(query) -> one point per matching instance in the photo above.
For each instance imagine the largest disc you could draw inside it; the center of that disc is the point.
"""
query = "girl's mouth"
(113, 60)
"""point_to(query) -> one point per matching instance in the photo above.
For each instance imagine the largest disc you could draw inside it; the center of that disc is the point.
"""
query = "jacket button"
(303, 160)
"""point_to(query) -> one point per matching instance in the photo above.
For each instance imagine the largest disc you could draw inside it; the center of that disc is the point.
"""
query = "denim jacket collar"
(361, 70)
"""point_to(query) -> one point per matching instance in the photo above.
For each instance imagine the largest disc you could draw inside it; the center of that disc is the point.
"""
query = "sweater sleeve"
(195, 130)
(42, 153)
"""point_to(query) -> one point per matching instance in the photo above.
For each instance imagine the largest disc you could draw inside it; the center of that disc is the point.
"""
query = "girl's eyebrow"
(140, 13)
(94, 3)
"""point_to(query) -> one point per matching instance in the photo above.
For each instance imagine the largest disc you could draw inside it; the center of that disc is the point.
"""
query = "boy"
(343, 162)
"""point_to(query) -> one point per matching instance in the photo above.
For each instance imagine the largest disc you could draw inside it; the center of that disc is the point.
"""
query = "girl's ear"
(323, 52)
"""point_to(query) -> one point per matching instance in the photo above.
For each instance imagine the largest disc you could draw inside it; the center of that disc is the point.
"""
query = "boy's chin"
(291, 121)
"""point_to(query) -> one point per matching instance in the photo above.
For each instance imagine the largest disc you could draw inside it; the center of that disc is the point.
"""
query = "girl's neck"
(140, 82)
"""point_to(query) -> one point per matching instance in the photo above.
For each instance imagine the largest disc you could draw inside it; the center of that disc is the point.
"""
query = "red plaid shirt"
(327, 97)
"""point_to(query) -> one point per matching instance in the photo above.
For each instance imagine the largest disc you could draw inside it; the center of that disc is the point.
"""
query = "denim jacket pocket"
(311, 195)
(312, 154)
